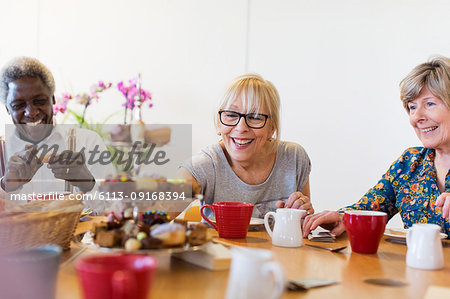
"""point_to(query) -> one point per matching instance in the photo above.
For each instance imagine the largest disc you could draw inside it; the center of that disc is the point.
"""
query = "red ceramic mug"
(232, 218)
(116, 276)
(364, 229)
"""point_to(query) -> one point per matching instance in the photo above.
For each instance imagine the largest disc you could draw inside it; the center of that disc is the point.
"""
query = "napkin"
(437, 292)
(212, 257)
(321, 236)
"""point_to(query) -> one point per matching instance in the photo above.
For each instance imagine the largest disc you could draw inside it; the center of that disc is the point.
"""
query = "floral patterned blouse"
(410, 188)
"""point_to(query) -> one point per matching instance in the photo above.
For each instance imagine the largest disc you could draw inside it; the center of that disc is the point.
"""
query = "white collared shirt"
(44, 181)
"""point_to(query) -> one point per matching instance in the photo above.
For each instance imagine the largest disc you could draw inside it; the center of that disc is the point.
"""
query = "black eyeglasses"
(253, 120)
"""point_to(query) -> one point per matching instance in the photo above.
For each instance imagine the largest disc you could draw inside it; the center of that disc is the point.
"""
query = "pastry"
(198, 234)
(151, 243)
(153, 231)
(153, 217)
(133, 244)
(120, 133)
(119, 185)
(171, 234)
(181, 221)
(123, 186)
(159, 136)
(138, 132)
(130, 228)
(108, 238)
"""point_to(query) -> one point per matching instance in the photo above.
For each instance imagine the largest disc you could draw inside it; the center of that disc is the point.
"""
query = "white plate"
(400, 233)
(253, 221)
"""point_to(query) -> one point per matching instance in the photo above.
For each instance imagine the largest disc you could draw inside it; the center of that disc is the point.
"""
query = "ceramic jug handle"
(266, 222)
(206, 218)
(123, 285)
(408, 236)
(275, 269)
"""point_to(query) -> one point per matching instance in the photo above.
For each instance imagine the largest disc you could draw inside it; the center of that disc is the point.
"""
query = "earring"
(219, 134)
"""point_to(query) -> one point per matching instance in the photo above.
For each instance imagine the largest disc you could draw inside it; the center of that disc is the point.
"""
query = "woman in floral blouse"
(417, 185)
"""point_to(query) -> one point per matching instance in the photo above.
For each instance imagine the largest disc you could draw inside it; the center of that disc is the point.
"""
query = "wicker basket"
(26, 229)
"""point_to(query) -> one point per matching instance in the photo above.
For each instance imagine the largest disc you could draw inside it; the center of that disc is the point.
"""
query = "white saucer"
(400, 233)
(253, 221)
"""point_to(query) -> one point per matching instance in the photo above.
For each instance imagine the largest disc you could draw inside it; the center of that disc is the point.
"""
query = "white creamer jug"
(424, 247)
(253, 275)
(287, 230)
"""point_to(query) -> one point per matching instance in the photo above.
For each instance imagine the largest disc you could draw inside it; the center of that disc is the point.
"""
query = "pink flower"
(66, 96)
(83, 99)
(59, 108)
(99, 87)
(61, 103)
(130, 91)
(133, 81)
(122, 88)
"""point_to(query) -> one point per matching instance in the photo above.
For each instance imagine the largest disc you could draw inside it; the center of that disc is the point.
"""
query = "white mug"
(36, 266)
(287, 230)
(424, 247)
(253, 275)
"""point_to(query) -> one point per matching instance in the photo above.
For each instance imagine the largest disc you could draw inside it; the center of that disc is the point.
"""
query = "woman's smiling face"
(241, 143)
(430, 118)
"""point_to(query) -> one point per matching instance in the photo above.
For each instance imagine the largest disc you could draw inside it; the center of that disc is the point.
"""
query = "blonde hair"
(434, 75)
(256, 95)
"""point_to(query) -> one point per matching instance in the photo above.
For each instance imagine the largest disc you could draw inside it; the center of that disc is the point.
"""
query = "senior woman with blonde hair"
(417, 185)
(250, 163)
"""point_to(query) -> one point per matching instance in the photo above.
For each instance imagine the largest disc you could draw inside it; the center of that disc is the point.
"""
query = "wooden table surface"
(178, 279)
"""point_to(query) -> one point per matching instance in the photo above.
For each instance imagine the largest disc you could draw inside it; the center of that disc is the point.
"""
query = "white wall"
(337, 65)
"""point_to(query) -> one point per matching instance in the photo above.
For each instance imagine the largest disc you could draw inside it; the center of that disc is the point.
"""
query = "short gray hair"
(434, 75)
(20, 67)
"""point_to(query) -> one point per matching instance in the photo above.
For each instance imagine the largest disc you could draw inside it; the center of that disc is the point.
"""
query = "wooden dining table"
(178, 279)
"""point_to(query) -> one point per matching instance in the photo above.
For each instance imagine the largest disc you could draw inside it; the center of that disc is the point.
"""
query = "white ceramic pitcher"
(424, 247)
(253, 275)
(287, 230)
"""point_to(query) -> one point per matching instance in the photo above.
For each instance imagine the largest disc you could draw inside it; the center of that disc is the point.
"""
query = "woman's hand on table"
(443, 202)
(297, 200)
(330, 220)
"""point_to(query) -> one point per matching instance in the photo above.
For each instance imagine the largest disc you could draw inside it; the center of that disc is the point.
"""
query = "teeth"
(428, 129)
(35, 123)
(242, 142)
